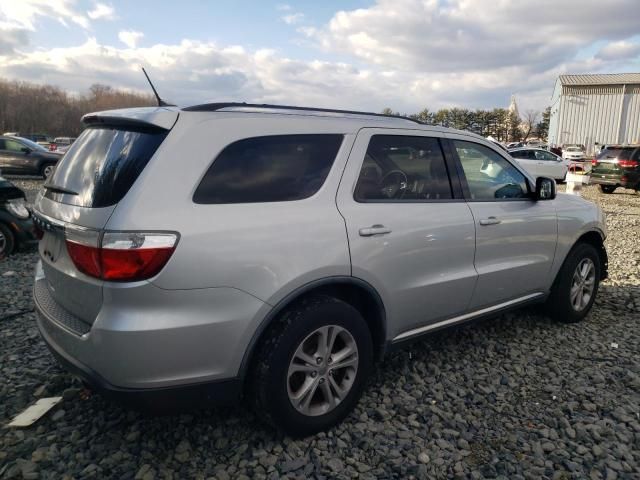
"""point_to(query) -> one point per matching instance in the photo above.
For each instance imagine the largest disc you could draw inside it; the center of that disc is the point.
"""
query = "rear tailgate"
(78, 200)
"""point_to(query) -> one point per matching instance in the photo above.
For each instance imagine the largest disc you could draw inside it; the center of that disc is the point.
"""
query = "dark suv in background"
(617, 166)
(22, 156)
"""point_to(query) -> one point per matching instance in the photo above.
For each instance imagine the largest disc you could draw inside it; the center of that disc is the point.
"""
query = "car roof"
(520, 149)
(160, 116)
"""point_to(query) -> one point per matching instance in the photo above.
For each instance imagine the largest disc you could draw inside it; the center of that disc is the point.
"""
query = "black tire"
(44, 168)
(607, 188)
(559, 305)
(268, 387)
(7, 241)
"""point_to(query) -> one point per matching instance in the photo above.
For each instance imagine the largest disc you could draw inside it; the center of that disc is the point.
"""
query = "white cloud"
(293, 18)
(467, 35)
(24, 13)
(404, 54)
(130, 37)
(101, 11)
(619, 50)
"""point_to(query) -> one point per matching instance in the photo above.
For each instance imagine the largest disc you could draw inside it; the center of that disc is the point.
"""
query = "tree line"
(500, 123)
(29, 108)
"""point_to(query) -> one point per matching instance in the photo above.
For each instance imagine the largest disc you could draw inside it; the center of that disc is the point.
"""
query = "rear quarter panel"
(264, 249)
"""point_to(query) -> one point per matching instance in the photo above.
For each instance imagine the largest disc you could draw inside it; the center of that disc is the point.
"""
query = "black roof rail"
(212, 107)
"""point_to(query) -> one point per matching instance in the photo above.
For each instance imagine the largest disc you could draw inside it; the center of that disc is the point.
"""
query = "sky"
(353, 54)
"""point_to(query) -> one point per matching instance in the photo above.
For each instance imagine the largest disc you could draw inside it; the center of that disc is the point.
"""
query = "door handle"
(374, 230)
(490, 221)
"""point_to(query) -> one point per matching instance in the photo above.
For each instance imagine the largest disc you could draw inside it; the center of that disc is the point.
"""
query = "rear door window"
(102, 165)
(276, 168)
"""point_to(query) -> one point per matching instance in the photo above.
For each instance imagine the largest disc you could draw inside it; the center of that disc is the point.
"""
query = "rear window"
(619, 153)
(102, 164)
(277, 168)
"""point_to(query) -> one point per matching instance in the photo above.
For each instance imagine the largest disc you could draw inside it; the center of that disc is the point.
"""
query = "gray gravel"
(516, 397)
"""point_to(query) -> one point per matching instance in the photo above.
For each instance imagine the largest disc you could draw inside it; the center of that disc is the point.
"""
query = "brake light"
(120, 256)
(594, 162)
(628, 163)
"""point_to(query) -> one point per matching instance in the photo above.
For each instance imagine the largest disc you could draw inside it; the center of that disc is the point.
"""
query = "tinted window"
(12, 146)
(269, 169)
(489, 176)
(102, 165)
(403, 168)
(525, 154)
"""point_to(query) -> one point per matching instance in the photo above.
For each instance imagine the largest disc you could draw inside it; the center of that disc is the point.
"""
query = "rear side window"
(102, 164)
(276, 168)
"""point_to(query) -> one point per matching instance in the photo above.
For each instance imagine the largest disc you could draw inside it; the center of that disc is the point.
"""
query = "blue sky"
(405, 54)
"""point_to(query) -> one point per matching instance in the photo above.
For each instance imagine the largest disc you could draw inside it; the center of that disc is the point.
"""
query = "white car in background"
(573, 153)
(541, 163)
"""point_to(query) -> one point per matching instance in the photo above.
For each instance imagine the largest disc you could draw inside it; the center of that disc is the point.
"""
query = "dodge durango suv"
(218, 251)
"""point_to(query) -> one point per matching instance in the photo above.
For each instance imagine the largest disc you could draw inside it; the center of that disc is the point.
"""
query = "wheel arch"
(596, 238)
(354, 291)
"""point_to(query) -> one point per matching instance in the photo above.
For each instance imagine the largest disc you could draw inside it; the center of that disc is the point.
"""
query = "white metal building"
(603, 108)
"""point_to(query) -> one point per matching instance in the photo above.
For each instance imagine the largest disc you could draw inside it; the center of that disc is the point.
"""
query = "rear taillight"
(120, 256)
(594, 162)
(628, 163)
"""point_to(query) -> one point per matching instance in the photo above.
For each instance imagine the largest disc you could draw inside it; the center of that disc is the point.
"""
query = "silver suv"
(276, 253)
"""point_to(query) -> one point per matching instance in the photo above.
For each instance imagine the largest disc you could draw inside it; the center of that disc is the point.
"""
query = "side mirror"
(545, 188)
(26, 150)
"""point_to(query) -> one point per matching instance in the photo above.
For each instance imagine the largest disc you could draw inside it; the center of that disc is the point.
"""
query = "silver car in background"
(276, 253)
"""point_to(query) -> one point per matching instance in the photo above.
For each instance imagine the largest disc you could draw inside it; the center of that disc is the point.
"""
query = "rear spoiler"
(159, 119)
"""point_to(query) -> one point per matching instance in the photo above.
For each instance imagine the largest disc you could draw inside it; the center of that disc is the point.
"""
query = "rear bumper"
(181, 397)
(154, 345)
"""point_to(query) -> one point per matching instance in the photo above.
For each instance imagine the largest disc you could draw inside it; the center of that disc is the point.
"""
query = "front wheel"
(576, 286)
(607, 188)
(7, 241)
(311, 368)
(47, 170)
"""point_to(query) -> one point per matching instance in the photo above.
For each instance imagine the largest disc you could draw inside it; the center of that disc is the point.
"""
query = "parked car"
(617, 166)
(21, 156)
(514, 145)
(16, 226)
(284, 255)
(573, 153)
(61, 144)
(40, 138)
(541, 163)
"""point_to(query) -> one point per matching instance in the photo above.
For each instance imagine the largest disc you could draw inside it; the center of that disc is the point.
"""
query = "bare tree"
(529, 122)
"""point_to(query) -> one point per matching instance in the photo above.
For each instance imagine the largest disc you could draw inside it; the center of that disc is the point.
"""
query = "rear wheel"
(7, 241)
(576, 285)
(47, 169)
(608, 188)
(311, 368)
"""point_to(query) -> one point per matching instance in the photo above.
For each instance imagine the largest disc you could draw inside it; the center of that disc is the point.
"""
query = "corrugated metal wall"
(589, 114)
(630, 126)
(599, 113)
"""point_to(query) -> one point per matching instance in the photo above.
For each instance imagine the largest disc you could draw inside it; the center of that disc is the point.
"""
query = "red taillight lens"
(594, 162)
(86, 258)
(628, 163)
(122, 256)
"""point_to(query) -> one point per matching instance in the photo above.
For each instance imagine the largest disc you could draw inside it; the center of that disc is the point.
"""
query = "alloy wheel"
(322, 370)
(583, 284)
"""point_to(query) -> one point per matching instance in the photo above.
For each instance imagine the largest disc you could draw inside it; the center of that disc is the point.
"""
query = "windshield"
(33, 145)
(573, 149)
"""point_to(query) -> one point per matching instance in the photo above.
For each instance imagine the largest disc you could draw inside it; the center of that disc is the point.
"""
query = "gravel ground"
(515, 397)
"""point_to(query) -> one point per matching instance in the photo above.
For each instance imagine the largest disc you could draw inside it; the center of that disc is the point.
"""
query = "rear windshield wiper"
(57, 189)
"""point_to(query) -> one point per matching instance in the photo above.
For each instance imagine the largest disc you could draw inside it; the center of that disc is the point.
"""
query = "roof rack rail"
(212, 107)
